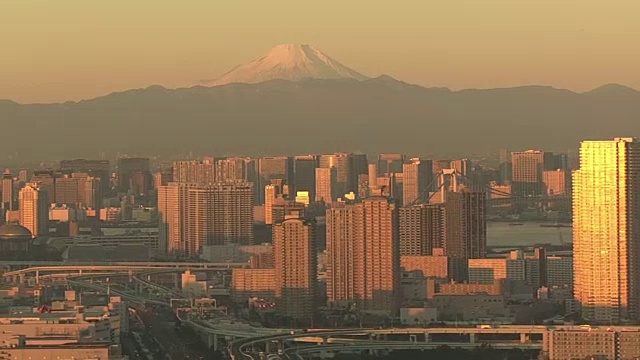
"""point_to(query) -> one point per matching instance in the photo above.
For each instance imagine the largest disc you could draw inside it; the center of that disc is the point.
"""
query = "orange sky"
(74, 49)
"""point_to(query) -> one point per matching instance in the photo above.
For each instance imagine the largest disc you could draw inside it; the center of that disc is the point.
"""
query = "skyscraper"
(466, 224)
(305, 174)
(326, 185)
(342, 271)
(219, 214)
(192, 216)
(346, 180)
(34, 209)
(606, 230)
(364, 257)
(422, 228)
(172, 200)
(294, 242)
(416, 177)
(527, 168)
(270, 195)
(7, 190)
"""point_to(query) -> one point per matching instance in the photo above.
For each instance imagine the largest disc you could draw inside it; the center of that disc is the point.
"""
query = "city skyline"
(430, 44)
(275, 180)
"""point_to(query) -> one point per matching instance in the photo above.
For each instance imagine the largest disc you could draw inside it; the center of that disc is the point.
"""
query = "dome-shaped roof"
(14, 231)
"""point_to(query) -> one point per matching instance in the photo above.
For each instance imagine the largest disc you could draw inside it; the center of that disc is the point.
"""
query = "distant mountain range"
(345, 112)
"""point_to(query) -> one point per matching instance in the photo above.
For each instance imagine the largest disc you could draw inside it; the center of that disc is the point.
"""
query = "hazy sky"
(56, 50)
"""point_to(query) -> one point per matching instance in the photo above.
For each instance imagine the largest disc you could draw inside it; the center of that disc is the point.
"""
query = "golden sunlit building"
(436, 265)
(364, 255)
(606, 230)
(296, 270)
(34, 209)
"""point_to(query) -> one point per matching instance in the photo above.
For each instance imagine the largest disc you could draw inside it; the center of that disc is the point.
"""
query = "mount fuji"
(287, 62)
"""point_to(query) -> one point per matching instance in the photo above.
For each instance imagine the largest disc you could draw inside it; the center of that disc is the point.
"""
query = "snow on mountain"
(289, 62)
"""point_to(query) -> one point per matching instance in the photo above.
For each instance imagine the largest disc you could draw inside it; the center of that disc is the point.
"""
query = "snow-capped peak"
(289, 62)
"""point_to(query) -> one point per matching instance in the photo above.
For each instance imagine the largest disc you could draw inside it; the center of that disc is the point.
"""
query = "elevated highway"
(525, 337)
(372, 346)
(81, 268)
(248, 342)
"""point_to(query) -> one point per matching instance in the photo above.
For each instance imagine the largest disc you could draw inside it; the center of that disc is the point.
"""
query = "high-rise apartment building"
(559, 271)
(296, 270)
(7, 191)
(326, 185)
(219, 214)
(363, 255)
(345, 175)
(194, 171)
(172, 200)
(34, 209)
(168, 219)
(416, 178)
(466, 224)
(343, 273)
(606, 230)
(233, 169)
(422, 228)
(192, 216)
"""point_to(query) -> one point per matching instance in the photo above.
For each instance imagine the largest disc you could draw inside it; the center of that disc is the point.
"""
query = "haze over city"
(290, 180)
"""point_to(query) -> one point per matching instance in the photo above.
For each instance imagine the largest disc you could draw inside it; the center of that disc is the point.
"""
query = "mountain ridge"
(316, 116)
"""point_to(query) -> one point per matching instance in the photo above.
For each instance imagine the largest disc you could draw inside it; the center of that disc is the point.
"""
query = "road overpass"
(80, 268)
(525, 337)
(246, 341)
(373, 347)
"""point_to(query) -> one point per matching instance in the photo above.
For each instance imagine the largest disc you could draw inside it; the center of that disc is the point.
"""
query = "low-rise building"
(586, 342)
(469, 307)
